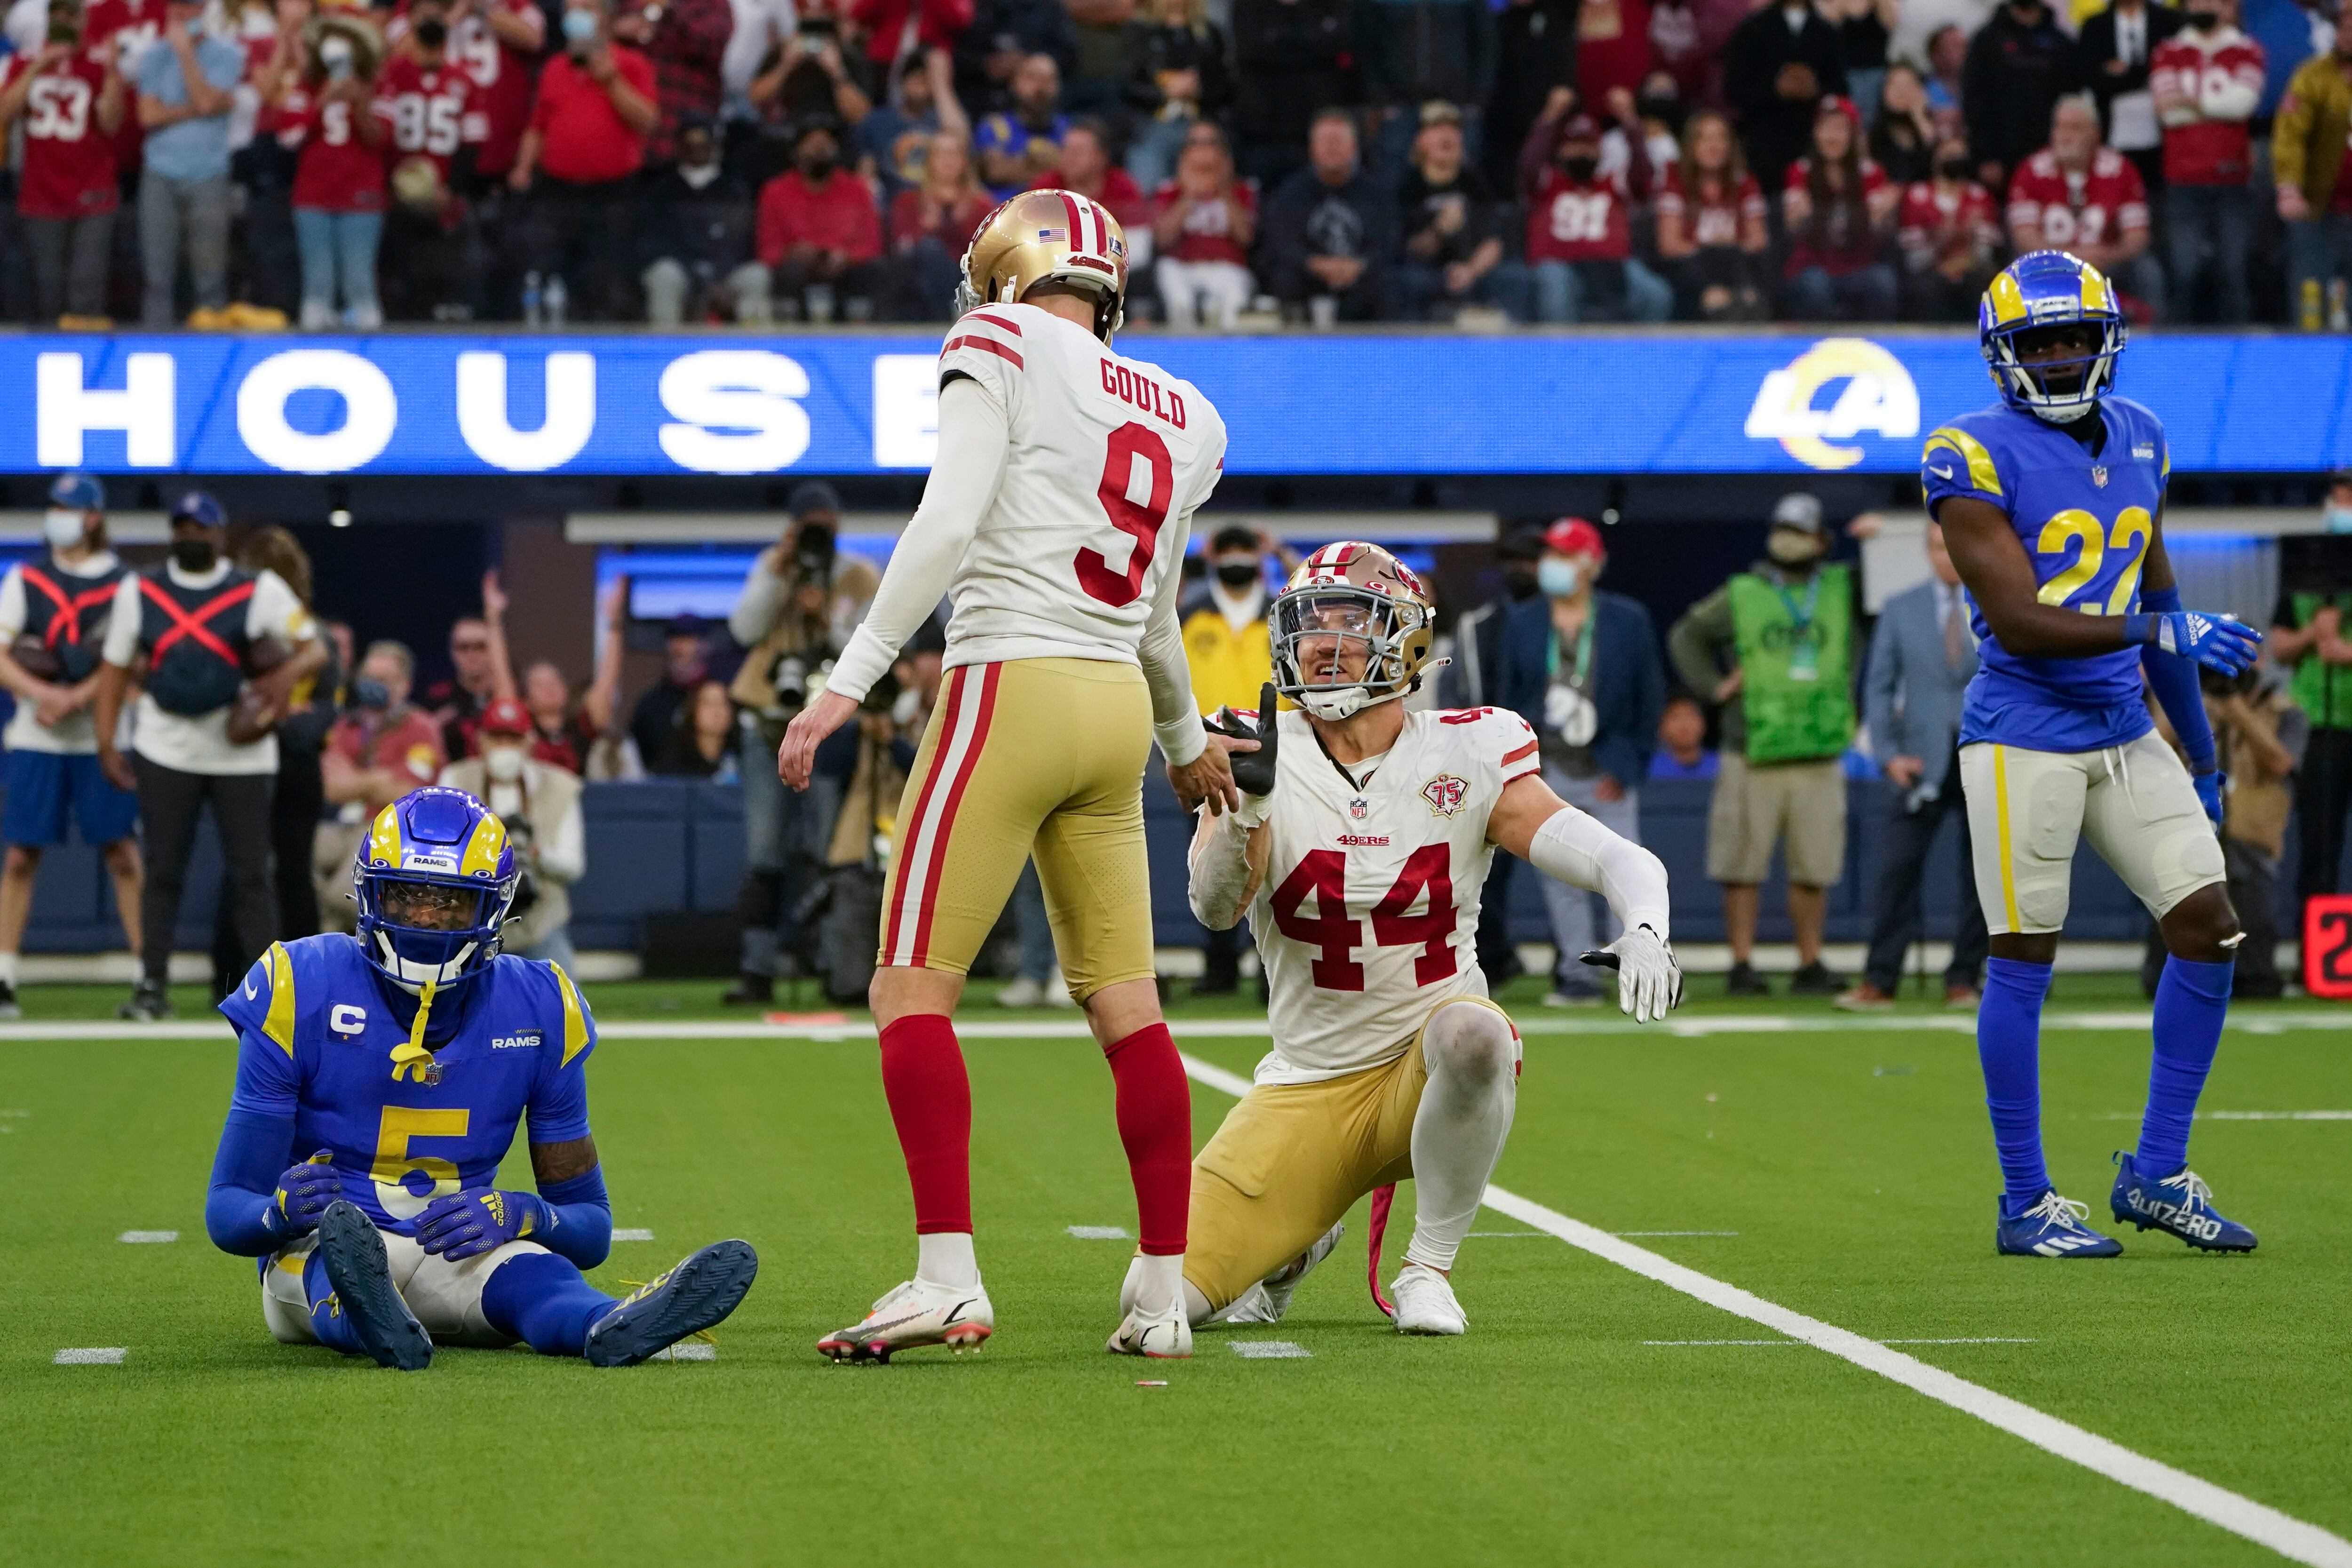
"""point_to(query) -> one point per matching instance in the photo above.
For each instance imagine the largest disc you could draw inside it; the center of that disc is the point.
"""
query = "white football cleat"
(1425, 1303)
(917, 1313)
(1270, 1298)
(1163, 1336)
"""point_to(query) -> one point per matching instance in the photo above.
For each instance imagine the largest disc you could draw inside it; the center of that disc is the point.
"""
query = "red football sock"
(931, 1102)
(1155, 1123)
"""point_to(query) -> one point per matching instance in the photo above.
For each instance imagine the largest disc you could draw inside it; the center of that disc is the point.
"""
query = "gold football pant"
(1038, 757)
(1292, 1158)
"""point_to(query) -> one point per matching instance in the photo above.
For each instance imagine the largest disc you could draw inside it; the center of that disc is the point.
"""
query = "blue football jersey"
(2086, 524)
(317, 1037)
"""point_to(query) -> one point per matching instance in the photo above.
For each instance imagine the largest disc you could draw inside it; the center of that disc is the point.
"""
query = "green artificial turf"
(1855, 1167)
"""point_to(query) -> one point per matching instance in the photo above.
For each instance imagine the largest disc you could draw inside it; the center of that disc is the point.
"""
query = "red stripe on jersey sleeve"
(1523, 773)
(987, 345)
(1510, 757)
(1005, 322)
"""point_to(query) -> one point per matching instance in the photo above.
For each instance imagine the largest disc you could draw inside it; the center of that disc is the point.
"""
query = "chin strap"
(410, 1057)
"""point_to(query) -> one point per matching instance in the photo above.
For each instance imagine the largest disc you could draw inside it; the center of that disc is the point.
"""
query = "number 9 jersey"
(1368, 915)
(2084, 520)
(1106, 452)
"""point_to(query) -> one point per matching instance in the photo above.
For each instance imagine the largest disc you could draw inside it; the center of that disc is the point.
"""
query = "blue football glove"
(2218, 642)
(303, 1194)
(2210, 787)
(466, 1225)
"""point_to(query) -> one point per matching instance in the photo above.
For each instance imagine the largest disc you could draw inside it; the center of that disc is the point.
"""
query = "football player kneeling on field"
(404, 1056)
(1359, 855)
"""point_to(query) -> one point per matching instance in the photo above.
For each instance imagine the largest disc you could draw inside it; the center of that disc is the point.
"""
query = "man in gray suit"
(1921, 658)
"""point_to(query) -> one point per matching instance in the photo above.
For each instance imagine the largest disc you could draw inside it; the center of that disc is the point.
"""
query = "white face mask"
(61, 526)
(503, 764)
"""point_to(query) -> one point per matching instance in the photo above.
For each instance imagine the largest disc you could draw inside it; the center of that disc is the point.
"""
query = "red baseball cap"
(1574, 536)
(505, 717)
(1834, 103)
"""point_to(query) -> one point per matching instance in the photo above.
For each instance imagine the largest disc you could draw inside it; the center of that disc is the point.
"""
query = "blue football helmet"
(434, 880)
(2041, 290)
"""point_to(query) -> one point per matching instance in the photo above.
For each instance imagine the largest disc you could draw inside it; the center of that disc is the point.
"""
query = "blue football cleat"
(2052, 1227)
(2180, 1203)
(361, 1275)
(700, 1292)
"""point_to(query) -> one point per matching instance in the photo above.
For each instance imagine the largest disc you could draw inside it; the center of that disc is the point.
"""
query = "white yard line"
(98, 1355)
(149, 1236)
(1268, 1350)
(1098, 1232)
(2283, 1533)
(2246, 1116)
(628, 1234)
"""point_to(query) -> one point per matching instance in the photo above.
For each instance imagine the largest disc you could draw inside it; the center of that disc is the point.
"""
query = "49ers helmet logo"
(1446, 794)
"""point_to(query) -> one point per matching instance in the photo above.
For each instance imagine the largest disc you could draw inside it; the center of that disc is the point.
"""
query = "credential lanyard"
(1583, 653)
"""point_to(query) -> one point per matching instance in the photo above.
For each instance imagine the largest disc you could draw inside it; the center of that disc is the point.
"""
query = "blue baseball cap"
(78, 491)
(200, 508)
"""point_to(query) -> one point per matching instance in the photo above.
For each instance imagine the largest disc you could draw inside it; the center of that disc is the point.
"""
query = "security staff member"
(198, 735)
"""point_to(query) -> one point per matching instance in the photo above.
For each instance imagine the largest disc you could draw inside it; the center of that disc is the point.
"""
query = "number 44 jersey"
(1105, 453)
(1368, 916)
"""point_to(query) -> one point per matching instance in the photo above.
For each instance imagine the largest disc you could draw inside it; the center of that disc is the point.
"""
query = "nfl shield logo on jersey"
(1446, 794)
(2099, 475)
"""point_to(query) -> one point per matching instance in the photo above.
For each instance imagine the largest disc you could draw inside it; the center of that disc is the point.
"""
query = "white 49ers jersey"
(1109, 458)
(1368, 917)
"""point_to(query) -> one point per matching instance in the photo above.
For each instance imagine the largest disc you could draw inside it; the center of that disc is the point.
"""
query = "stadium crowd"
(1776, 689)
(241, 164)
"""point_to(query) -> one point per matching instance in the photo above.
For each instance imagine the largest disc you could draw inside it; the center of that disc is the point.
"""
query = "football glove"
(2223, 643)
(1253, 770)
(466, 1225)
(2209, 790)
(303, 1194)
(1649, 981)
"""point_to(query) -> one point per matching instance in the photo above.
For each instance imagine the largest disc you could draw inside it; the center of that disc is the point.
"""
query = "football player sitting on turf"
(2052, 507)
(404, 1056)
(1359, 854)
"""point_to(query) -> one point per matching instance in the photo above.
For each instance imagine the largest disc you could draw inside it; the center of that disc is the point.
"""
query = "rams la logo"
(1875, 393)
(1446, 794)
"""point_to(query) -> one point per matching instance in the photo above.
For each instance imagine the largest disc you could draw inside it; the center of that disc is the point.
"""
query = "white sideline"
(2283, 1533)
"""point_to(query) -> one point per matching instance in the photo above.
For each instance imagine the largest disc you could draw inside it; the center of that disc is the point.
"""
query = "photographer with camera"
(799, 604)
(540, 805)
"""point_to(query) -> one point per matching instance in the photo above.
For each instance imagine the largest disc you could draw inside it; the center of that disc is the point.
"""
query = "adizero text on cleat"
(696, 1294)
(2180, 1203)
(915, 1314)
(2052, 1227)
(361, 1272)
(1162, 1336)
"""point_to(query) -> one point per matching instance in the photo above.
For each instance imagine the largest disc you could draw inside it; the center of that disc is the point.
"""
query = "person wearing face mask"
(1948, 231)
(2308, 639)
(1582, 666)
(579, 160)
(1580, 243)
(185, 85)
(1467, 680)
(2207, 80)
(540, 805)
(819, 232)
(1773, 649)
(438, 119)
(195, 622)
(54, 612)
(695, 239)
(1778, 66)
(380, 749)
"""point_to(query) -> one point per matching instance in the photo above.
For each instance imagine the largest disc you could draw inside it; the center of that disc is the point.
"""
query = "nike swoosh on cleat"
(956, 1316)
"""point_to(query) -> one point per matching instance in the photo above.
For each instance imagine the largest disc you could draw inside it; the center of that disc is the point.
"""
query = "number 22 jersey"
(2085, 522)
(1368, 915)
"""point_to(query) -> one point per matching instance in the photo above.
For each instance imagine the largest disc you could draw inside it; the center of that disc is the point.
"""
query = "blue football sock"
(327, 1319)
(2192, 1001)
(544, 1301)
(2009, 1046)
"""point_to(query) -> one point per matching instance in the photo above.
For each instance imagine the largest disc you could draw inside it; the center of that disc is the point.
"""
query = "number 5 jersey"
(2085, 520)
(1368, 915)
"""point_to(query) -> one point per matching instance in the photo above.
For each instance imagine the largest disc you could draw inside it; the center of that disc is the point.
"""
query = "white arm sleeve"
(564, 859)
(1221, 872)
(974, 442)
(1574, 847)
(1175, 723)
(755, 615)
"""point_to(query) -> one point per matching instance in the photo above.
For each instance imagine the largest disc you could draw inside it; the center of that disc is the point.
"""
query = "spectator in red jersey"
(1085, 166)
(895, 28)
(819, 234)
(1711, 225)
(686, 40)
(264, 167)
(695, 239)
(579, 160)
(1179, 74)
(2079, 196)
(1453, 228)
(497, 43)
(121, 30)
(2207, 80)
(1580, 240)
(1838, 209)
(931, 225)
(70, 99)
(434, 108)
(329, 117)
(1206, 221)
(1612, 50)
(1948, 233)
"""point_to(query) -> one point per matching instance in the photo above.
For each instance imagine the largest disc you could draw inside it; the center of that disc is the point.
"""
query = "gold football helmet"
(1352, 627)
(1042, 235)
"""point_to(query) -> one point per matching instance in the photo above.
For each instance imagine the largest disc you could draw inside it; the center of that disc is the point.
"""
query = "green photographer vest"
(1796, 650)
(2322, 691)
